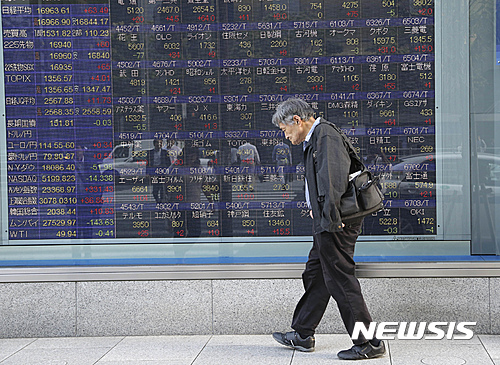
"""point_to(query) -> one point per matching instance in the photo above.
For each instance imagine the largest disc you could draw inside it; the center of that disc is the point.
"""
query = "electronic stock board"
(152, 118)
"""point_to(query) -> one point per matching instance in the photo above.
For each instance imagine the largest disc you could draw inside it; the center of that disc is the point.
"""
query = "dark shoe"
(292, 339)
(365, 351)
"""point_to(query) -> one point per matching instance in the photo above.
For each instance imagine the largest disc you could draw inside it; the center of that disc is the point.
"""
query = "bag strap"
(354, 156)
(355, 159)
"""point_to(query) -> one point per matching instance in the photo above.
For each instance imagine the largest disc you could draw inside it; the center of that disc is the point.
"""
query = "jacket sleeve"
(257, 156)
(332, 176)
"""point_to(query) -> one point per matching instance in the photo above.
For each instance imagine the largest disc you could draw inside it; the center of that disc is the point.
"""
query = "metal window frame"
(240, 272)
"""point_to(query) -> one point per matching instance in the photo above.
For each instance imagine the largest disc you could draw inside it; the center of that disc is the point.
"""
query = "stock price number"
(58, 222)
(61, 67)
(279, 222)
(100, 211)
(140, 224)
(54, 189)
(58, 89)
(58, 167)
(389, 221)
(425, 220)
(57, 78)
(51, 22)
(60, 44)
(213, 232)
(58, 111)
(317, 7)
(52, 10)
(248, 223)
(58, 178)
(212, 223)
(282, 231)
(88, 21)
(61, 211)
(66, 234)
(58, 101)
(56, 145)
(57, 200)
(177, 224)
(105, 233)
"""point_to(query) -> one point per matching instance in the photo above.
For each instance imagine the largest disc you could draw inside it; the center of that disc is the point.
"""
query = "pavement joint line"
(203, 348)
(485, 349)
(112, 347)
(21, 349)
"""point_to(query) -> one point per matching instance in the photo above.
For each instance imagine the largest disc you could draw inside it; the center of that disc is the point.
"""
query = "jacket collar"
(311, 131)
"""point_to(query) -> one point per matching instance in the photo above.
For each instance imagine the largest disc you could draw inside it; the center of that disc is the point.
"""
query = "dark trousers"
(330, 271)
(157, 192)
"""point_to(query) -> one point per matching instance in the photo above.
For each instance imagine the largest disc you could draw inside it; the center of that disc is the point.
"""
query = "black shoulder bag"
(363, 195)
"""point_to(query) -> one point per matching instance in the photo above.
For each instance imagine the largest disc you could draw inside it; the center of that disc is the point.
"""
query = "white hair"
(287, 109)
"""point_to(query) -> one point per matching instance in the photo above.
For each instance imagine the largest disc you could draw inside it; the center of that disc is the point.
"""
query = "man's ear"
(297, 119)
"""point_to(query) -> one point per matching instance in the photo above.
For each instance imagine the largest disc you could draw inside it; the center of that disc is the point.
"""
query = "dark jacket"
(327, 164)
(164, 159)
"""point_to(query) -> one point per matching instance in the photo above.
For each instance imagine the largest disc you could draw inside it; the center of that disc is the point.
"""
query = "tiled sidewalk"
(236, 350)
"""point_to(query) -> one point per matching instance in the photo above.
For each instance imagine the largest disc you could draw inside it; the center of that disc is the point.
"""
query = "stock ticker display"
(152, 118)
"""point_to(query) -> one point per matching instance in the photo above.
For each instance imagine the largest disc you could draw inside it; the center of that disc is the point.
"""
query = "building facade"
(145, 190)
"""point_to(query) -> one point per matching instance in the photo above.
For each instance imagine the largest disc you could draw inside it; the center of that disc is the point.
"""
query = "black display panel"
(92, 86)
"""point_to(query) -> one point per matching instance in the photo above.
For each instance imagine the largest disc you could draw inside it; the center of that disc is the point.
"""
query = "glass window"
(484, 85)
